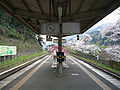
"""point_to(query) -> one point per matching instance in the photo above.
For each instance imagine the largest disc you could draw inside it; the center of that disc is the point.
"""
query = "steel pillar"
(60, 44)
(60, 49)
(60, 39)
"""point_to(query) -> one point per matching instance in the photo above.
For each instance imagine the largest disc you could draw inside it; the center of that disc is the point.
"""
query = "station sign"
(53, 28)
(71, 28)
(48, 38)
(56, 41)
(7, 50)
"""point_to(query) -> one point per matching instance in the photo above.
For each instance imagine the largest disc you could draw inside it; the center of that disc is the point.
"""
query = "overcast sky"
(112, 17)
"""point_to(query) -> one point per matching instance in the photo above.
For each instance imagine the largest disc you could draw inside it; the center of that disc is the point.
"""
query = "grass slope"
(17, 61)
(98, 64)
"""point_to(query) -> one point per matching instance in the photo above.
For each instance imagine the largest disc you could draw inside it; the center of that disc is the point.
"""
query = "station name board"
(56, 41)
(53, 28)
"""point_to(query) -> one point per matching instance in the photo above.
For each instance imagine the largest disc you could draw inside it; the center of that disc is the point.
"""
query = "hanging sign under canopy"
(53, 28)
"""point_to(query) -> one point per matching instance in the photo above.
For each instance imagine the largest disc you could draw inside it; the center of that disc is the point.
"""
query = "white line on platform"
(19, 65)
(7, 80)
(99, 82)
(21, 82)
(74, 74)
(101, 73)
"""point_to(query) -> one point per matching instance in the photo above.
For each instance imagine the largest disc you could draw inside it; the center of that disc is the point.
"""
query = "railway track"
(117, 76)
(19, 67)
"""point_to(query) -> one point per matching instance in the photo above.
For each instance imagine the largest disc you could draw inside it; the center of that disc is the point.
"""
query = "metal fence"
(109, 63)
(5, 66)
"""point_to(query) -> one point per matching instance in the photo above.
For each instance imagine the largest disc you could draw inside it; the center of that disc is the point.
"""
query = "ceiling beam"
(25, 23)
(7, 6)
(39, 4)
(64, 5)
(80, 5)
(30, 14)
(29, 10)
(93, 23)
(55, 9)
(50, 11)
(97, 12)
(26, 5)
(109, 8)
(69, 8)
(6, 10)
(112, 6)
(93, 4)
(83, 15)
(33, 15)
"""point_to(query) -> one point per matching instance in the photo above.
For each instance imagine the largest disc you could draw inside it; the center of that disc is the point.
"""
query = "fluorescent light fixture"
(59, 12)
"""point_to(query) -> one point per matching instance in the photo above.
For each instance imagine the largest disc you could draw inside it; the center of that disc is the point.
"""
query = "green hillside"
(13, 32)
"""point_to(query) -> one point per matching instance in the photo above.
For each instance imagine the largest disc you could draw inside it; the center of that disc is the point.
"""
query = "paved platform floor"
(76, 77)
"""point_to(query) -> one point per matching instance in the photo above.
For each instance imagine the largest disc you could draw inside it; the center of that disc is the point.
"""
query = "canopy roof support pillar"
(60, 71)
(60, 39)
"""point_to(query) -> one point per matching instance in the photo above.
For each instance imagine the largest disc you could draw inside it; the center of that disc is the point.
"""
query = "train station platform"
(41, 76)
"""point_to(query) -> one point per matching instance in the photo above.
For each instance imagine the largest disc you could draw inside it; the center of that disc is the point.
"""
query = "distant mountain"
(90, 31)
(96, 32)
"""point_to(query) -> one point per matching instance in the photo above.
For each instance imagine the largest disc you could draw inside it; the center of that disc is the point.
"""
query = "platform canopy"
(34, 12)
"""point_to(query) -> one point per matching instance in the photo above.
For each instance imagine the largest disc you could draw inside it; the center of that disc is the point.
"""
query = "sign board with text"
(71, 28)
(53, 28)
(49, 39)
(56, 41)
(7, 50)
